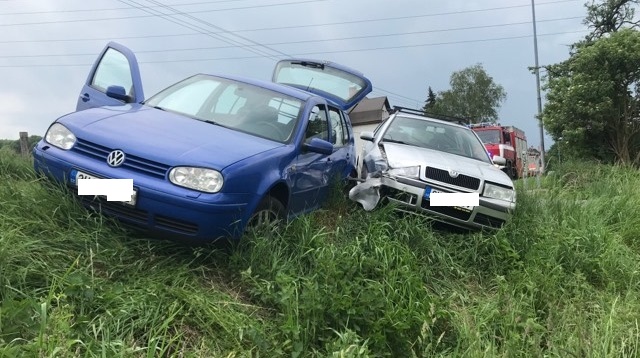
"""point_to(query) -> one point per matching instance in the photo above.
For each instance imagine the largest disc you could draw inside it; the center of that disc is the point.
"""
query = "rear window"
(317, 77)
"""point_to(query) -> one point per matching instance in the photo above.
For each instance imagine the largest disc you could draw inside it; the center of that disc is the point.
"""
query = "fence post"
(24, 144)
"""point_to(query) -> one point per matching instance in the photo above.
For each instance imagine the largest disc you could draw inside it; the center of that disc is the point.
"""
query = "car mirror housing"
(318, 145)
(118, 92)
(368, 136)
(499, 160)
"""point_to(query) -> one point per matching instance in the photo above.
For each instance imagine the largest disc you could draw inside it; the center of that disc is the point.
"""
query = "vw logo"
(115, 158)
(453, 173)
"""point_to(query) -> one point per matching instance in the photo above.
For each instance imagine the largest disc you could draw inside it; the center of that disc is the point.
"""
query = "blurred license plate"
(76, 174)
(429, 190)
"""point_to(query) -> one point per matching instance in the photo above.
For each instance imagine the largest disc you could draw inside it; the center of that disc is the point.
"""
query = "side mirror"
(118, 92)
(499, 160)
(368, 136)
(318, 145)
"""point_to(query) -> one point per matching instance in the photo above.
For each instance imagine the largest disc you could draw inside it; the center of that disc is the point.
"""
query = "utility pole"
(535, 50)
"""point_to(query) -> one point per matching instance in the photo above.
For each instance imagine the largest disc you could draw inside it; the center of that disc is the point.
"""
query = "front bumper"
(162, 209)
(408, 195)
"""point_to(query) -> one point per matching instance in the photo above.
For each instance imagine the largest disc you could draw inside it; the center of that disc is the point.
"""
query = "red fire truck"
(506, 141)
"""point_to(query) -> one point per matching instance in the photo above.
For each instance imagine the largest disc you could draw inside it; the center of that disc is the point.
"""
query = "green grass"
(562, 279)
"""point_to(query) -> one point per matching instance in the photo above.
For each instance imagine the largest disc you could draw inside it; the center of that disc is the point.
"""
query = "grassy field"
(562, 279)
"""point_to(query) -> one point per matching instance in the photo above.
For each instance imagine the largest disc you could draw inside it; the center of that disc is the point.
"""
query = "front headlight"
(410, 172)
(201, 179)
(59, 136)
(498, 192)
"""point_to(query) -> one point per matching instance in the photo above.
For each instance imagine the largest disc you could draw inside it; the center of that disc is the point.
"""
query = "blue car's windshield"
(232, 104)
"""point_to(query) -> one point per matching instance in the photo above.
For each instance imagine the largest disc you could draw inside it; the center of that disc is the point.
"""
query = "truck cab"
(506, 141)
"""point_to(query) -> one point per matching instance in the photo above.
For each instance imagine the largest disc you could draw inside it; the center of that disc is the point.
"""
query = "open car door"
(114, 79)
(339, 84)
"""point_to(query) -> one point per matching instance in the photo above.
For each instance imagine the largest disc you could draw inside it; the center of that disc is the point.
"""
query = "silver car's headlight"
(201, 179)
(410, 172)
(59, 136)
(498, 192)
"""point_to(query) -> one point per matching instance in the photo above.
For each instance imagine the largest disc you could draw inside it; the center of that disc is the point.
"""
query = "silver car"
(410, 157)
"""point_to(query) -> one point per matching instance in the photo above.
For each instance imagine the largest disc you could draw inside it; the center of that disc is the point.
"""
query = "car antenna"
(309, 85)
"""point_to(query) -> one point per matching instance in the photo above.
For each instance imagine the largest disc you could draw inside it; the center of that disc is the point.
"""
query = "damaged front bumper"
(409, 195)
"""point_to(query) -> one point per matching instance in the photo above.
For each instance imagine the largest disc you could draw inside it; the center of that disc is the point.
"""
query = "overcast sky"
(403, 46)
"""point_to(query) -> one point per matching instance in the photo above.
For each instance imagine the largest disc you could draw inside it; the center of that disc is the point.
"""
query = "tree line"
(592, 98)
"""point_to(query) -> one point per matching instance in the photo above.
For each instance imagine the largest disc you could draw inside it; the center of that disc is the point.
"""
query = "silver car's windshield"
(236, 105)
(435, 135)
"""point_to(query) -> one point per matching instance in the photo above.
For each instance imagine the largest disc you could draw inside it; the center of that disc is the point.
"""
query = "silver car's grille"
(443, 176)
(487, 220)
(447, 210)
(131, 162)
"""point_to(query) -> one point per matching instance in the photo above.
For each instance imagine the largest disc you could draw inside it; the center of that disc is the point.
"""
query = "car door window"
(339, 133)
(113, 70)
(318, 126)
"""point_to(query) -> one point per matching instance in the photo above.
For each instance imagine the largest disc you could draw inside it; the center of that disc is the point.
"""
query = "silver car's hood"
(400, 155)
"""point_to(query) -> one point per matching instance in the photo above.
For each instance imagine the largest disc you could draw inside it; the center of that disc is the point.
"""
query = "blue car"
(211, 155)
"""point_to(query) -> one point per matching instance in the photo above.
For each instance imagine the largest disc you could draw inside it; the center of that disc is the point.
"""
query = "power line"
(293, 26)
(174, 12)
(107, 9)
(201, 3)
(404, 17)
(191, 26)
(313, 53)
(164, 50)
(224, 30)
(100, 38)
(206, 23)
(147, 16)
(393, 94)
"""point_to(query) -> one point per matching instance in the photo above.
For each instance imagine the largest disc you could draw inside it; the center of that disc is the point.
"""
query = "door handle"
(85, 97)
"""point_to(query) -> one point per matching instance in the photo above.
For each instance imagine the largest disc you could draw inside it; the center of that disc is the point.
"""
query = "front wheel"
(267, 215)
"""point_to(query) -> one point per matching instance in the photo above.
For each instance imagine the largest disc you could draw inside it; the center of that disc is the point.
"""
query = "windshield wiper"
(210, 121)
(393, 141)
(309, 64)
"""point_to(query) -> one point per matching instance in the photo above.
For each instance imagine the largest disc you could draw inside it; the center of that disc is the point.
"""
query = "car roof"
(287, 90)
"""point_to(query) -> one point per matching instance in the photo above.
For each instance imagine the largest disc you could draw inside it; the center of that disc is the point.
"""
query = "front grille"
(461, 180)
(401, 196)
(113, 207)
(176, 225)
(132, 162)
(446, 210)
(130, 213)
(487, 220)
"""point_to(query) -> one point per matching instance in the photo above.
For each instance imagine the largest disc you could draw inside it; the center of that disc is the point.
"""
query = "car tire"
(269, 213)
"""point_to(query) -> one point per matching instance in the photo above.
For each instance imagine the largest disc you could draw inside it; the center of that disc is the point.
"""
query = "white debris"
(367, 193)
